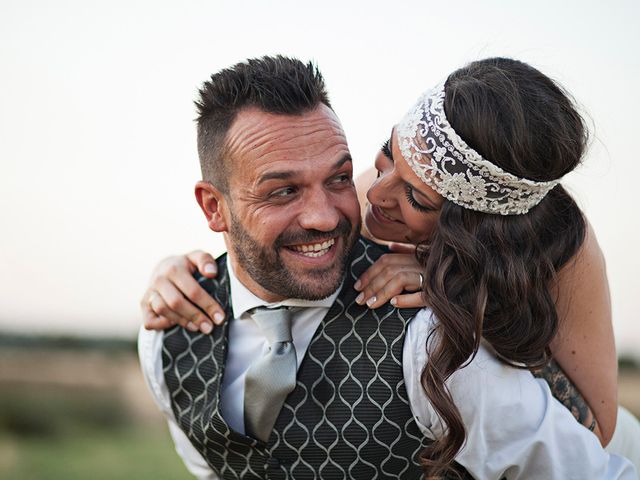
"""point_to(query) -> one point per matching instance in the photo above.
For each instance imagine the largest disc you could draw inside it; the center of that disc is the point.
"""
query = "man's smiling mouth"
(313, 249)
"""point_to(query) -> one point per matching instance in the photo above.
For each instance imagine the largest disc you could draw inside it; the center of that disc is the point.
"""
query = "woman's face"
(401, 207)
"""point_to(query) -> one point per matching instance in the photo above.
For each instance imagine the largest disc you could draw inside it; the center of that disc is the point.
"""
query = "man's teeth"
(314, 249)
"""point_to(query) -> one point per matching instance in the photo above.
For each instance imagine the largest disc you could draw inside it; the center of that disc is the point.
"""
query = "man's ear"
(213, 205)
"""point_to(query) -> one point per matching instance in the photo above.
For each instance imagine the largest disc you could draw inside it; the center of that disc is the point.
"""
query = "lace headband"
(442, 160)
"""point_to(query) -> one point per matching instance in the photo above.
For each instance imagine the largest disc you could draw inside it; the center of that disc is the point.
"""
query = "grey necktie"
(271, 378)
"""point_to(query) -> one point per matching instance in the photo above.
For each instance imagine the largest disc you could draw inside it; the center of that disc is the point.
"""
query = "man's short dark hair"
(279, 85)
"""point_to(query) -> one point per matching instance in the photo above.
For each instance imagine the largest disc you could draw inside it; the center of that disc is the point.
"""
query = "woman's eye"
(414, 203)
(386, 150)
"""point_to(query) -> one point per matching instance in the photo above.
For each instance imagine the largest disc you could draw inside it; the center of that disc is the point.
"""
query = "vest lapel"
(195, 376)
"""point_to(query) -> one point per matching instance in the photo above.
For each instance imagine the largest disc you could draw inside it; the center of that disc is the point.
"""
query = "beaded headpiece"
(443, 160)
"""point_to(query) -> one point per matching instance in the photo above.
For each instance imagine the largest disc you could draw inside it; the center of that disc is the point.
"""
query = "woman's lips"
(381, 216)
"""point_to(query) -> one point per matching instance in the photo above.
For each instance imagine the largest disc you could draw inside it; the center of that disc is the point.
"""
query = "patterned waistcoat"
(349, 415)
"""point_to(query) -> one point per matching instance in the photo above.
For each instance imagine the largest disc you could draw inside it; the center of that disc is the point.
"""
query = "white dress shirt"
(514, 426)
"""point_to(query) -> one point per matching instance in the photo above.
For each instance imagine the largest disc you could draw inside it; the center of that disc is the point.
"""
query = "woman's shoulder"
(484, 366)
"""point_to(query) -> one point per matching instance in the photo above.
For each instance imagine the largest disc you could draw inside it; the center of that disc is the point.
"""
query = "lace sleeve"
(566, 393)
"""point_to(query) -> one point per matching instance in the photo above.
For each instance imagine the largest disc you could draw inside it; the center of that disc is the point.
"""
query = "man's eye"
(283, 192)
(344, 178)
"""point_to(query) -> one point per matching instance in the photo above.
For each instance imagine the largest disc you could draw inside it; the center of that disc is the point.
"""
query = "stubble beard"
(266, 267)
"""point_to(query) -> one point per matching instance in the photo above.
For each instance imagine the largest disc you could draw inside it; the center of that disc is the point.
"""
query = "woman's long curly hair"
(491, 276)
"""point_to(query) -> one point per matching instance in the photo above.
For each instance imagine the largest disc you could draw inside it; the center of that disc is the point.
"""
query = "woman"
(504, 252)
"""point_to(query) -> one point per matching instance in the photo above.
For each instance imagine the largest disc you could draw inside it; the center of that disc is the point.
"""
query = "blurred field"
(79, 409)
(629, 389)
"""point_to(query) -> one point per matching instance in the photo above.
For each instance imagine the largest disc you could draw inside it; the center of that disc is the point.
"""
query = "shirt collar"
(244, 300)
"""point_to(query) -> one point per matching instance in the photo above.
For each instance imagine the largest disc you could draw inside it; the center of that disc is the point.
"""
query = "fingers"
(166, 302)
(391, 275)
(150, 319)
(385, 287)
(386, 267)
(176, 298)
(409, 300)
(188, 287)
(204, 262)
(173, 305)
(407, 248)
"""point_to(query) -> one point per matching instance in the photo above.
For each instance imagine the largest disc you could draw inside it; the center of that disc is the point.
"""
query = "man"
(325, 388)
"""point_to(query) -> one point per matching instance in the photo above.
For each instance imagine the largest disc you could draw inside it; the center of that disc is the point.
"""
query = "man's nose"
(319, 212)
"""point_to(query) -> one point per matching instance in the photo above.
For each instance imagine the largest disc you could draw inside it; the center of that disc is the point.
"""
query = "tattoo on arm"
(566, 392)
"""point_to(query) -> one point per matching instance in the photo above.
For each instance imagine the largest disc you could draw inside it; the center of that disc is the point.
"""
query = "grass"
(133, 454)
(51, 433)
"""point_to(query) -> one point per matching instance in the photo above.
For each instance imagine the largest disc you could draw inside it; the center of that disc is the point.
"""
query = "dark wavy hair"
(492, 276)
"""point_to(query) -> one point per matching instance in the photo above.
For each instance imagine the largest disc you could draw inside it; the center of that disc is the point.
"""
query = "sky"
(97, 141)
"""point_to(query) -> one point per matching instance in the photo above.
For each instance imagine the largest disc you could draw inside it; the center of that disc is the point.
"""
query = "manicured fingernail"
(357, 285)
(371, 301)
(210, 268)
(192, 327)
(394, 301)
(360, 299)
(218, 317)
(206, 327)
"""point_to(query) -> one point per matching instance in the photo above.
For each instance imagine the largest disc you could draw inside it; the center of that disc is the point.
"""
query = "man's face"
(293, 215)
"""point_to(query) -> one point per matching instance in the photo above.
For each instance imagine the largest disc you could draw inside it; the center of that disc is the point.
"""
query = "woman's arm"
(584, 346)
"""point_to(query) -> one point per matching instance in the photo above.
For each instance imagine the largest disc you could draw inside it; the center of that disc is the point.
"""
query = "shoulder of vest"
(364, 254)
(217, 287)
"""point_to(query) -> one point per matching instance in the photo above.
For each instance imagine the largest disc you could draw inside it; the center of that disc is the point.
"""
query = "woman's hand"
(175, 297)
(390, 276)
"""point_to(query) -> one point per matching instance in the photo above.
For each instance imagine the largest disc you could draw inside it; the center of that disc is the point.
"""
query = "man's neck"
(250, 284)
(243, 299)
